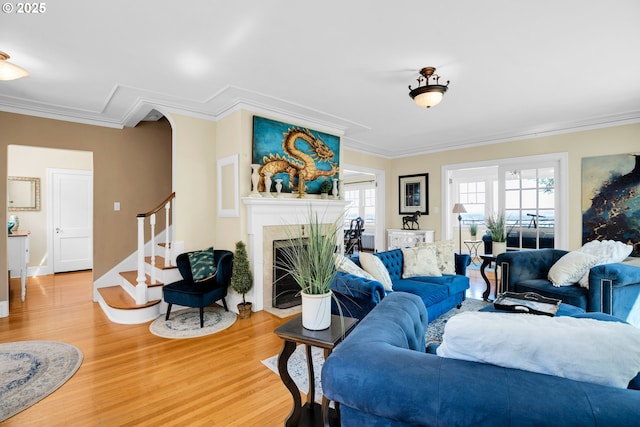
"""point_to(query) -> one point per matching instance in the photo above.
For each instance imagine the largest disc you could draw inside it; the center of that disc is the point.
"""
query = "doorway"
(36, 162)
(529, 191)
(365, 187)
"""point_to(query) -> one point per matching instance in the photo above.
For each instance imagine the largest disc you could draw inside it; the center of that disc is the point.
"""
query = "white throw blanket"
(589, 350)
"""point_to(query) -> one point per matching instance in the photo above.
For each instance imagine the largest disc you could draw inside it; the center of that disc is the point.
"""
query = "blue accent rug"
(31, 370)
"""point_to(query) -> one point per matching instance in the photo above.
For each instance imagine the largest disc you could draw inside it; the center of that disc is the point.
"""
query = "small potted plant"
(496, 229)
(473, 230)
(241, 278)
(325, 187)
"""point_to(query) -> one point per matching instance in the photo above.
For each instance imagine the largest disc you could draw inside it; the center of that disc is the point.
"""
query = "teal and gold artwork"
(292, 152)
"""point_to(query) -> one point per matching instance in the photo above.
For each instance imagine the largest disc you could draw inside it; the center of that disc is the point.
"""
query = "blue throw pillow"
(203, 266)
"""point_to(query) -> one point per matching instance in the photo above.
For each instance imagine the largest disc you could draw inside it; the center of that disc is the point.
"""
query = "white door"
(72, 208)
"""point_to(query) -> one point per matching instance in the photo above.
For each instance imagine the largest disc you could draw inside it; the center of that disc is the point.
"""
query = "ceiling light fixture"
(9, 71)
(428, 95)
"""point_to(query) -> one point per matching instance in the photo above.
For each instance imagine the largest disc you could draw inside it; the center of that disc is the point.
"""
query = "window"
(363, 205)
(528, 190)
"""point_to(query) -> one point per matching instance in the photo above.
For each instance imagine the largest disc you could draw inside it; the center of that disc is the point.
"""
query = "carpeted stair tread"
(159, 263)
(118, 298)
(132, 277)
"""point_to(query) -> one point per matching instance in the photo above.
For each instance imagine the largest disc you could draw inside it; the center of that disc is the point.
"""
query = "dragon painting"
(300, 166)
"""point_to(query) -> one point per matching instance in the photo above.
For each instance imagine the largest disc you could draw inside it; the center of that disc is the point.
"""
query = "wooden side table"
(487, 259)
(292, 332)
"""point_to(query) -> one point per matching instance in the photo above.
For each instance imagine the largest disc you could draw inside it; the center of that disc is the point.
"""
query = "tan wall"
(33, 162)
(194, 142)
(613, 140)
(131, 165)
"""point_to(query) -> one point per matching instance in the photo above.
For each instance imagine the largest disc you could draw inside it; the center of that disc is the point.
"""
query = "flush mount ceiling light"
(9, 71)
(428, 95)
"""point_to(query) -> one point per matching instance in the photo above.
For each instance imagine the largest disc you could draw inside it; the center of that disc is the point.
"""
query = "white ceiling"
(516, 68)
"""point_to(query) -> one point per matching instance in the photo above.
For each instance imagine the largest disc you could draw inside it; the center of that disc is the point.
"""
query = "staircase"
(136, 296)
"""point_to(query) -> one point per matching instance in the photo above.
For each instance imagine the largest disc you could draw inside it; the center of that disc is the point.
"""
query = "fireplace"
(268, 220)
(286, 291)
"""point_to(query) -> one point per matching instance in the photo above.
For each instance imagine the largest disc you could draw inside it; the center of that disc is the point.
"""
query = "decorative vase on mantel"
(334, 191)
(278, 187)
(316, 311)
(255, 179)
(267, 183)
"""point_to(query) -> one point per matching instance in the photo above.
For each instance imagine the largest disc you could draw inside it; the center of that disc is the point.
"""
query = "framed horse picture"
(413, 194)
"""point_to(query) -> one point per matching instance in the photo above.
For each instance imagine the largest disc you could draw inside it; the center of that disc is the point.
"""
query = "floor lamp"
(459, 209)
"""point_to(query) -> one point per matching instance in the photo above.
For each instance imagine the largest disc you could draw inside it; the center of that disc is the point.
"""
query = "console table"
(18, 248)
(399, 238)
(292, 332)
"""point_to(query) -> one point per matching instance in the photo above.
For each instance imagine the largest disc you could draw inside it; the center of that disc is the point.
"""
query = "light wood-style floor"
(130, 377)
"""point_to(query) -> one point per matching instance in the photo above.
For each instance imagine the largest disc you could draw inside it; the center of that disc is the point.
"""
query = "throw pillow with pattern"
(203, 265)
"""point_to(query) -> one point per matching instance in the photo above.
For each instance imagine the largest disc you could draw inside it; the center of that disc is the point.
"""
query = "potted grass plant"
(496, 228)
(309, 258)
(473, 230)
(241, 278)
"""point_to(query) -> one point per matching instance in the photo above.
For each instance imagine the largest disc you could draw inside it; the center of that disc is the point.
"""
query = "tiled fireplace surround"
(268, 220)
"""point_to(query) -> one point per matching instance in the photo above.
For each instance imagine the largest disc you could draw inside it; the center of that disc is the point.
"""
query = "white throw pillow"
(606, 251)
(570, 268)
(374, 266)
(345, 265)
(420, 261)
(580, 349)
(445, 254)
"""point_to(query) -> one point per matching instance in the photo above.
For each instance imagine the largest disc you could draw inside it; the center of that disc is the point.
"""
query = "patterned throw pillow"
(420, 261)
(445, 254)
(203, 266)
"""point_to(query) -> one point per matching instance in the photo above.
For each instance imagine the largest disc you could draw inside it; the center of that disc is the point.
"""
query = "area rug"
(31, 370)
(297, 367)
(435, 329)
(186, 323)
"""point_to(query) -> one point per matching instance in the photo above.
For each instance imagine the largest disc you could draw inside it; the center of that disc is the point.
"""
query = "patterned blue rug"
(186, 323)
(297, 365)
(31, 370)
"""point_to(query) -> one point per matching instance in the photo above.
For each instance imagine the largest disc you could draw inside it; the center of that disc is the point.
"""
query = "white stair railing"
(141, 294)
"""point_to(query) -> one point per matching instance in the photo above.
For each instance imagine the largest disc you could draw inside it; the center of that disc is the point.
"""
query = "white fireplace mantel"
(267, 211)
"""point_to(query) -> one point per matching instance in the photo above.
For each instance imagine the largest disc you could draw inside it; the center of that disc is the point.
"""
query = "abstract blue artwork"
(611, 199)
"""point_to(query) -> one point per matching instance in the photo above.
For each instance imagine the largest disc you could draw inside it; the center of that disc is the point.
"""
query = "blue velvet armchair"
(189, 293)
(613, 288)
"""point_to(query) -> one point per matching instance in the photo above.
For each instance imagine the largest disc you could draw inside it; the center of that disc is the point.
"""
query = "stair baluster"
(167, 239)
(141, 286)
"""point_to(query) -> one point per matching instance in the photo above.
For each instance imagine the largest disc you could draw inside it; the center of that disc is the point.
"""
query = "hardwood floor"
(130, 377)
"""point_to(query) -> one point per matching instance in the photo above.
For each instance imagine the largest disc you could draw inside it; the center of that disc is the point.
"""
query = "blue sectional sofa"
(357, 295)
(381, 375)
(613, 288)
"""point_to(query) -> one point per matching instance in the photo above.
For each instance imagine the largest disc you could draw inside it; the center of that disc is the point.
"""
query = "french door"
(528, 199)
(530, 191)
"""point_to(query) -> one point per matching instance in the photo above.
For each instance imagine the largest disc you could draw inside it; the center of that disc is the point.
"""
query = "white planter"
(316, 311)
(499, 248)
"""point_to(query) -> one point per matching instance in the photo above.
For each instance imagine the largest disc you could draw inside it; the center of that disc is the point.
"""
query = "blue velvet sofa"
(613, 288)
(357, 296)
(381, 375)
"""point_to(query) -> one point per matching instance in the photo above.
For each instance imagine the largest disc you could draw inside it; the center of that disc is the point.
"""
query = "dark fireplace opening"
(286, 291)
